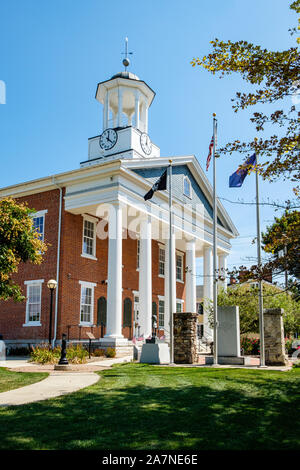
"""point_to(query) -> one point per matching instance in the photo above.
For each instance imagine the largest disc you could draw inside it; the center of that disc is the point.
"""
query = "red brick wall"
(12, 315)
(73, 268)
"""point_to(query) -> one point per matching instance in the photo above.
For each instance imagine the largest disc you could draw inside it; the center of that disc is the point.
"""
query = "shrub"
(98, 352)
(77, 354)
(288, 345)
(110, 352)
(43, 355)
(250, 345)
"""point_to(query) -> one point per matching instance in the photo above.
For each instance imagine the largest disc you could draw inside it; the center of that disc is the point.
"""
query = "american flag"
(210, 151)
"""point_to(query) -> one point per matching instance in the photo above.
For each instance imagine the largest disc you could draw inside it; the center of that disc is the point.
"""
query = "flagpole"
(171, 267)
(260, 292)
(215, 277)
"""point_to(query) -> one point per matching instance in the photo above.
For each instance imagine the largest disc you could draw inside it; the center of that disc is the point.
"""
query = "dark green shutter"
(101, 311)
(127, 317)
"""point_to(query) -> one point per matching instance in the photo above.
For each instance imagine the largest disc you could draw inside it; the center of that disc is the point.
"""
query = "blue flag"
(237, 178)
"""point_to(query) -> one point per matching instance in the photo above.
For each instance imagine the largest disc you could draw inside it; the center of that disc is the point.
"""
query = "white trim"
(85, 255)
(185, 178)
(37, 282)
(93, 220)
(161, 275)
(161, 297)
(39, 213)
(89, 285)
(178, 253)
(89, 217)
(180, 300)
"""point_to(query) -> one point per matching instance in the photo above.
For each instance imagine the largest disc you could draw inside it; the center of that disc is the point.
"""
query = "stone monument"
(185, 338)
(274, 337)
(229, 331)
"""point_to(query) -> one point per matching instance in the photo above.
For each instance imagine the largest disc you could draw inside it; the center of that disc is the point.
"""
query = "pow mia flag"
(160, 185)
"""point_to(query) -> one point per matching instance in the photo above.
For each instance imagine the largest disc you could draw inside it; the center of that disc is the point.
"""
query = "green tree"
(19, 242)
(246, 297)
(276, 76)
(282, 241)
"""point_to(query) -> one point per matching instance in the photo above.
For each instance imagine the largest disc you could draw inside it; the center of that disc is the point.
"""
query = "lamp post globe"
(51, 284)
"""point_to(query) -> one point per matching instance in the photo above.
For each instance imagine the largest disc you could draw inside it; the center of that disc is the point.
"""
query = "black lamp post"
(52, 286)
(63, 360)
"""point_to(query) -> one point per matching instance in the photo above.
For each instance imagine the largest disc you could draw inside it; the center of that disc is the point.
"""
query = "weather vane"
(126, 61)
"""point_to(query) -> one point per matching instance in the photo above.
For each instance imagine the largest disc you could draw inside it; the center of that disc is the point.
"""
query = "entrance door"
(101, 314)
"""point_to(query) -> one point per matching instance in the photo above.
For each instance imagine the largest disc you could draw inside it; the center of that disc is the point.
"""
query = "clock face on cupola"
(126, 100)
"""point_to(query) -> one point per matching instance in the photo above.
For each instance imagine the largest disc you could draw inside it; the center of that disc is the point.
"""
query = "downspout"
(58, 259)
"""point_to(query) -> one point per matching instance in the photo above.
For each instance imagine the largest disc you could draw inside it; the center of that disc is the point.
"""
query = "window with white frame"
(39, 223)
(86, 303)
(161, 261)
(187, 187)
(138, 248)
(89, 237)
(179, 267)
(179, 305)
(161, 313)
(33, 302)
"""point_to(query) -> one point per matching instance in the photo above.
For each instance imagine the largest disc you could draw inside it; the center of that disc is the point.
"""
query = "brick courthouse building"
(107, 246)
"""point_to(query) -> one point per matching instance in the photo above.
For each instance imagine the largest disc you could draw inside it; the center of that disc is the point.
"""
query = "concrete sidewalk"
(58, 383)
(53, 386)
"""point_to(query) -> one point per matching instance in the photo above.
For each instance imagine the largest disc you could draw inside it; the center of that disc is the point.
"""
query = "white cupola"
(126, 100)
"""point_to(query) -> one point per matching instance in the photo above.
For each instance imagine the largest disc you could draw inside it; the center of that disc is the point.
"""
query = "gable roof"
(191, 162)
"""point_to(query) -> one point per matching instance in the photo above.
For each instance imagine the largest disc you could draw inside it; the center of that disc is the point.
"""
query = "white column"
(207, 289)
(120, 106)
(115, 119)
(145, 278)
(137, 109)
(190, 278)
(223, 271)
(114, 277)
(105, 111)
(167, 299)
(146, 116)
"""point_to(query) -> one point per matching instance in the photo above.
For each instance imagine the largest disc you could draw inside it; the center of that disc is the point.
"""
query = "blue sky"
(53, 54)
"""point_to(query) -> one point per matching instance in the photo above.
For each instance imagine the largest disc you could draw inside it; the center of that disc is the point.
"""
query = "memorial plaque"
(90, 335)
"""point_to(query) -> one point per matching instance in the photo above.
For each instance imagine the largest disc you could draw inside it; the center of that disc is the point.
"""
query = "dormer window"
(187, 187)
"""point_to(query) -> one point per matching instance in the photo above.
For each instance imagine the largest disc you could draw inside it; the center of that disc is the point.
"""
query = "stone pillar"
(222, 271)
(145, 278)
(185, 338)
(167, 288)
(190, 302)
(114, 277)
(120, 106)
(207, 289)
(274, 337)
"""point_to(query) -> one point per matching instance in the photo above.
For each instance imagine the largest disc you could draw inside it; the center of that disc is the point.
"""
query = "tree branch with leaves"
(19, 242)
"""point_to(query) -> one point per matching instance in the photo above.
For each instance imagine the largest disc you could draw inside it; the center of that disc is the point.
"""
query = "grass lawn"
(136, 406)
(10, 380)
